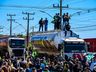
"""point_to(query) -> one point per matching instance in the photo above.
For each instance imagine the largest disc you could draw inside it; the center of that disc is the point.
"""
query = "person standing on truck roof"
(41, 22)
(55, 21)
(46, 24)
(64, 21)
(58, 21)
(67, 17)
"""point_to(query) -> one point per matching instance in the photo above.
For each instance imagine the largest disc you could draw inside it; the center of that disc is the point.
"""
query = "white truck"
(13, 45)
(55, 42)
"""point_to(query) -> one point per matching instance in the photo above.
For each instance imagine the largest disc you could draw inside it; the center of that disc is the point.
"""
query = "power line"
(15, 27)
(86, 20)
(81, 12)
(31, 7)
(87, 30)
(21, 25)
(75, 2)
(84, 27)
(46, 13)
(35, 7)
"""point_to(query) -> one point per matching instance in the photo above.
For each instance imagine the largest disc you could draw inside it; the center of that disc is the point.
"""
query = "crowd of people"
(45, 63)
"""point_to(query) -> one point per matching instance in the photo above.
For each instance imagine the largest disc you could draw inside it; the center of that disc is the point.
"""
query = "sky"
(82, 12)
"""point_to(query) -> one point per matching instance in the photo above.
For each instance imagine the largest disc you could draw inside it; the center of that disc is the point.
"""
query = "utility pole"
(28, 19)
(61, 13)
(11, 19)
(60, 8)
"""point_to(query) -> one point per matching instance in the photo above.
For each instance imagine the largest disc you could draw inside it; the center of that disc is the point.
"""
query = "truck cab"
(16, 47)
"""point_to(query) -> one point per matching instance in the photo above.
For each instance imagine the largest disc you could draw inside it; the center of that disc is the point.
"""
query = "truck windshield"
(17, 43)
(76, 47)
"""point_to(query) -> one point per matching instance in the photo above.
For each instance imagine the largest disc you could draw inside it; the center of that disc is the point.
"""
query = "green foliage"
(21, 35)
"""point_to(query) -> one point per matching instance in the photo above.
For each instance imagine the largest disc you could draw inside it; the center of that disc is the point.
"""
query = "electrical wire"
(87, 30)
(71, 1)
(35, 7)
(84, 27)
(15, 27)
(31, 7)
(76, 2)
(21, 26)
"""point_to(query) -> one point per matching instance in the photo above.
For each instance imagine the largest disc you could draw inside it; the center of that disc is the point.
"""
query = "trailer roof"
(46, 36)
(73, 39)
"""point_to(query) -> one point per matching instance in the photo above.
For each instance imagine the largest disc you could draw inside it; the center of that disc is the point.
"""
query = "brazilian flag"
(89, 57)
(34, 53)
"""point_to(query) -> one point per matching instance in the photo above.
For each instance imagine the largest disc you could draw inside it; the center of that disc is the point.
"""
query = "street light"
(46, 13)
